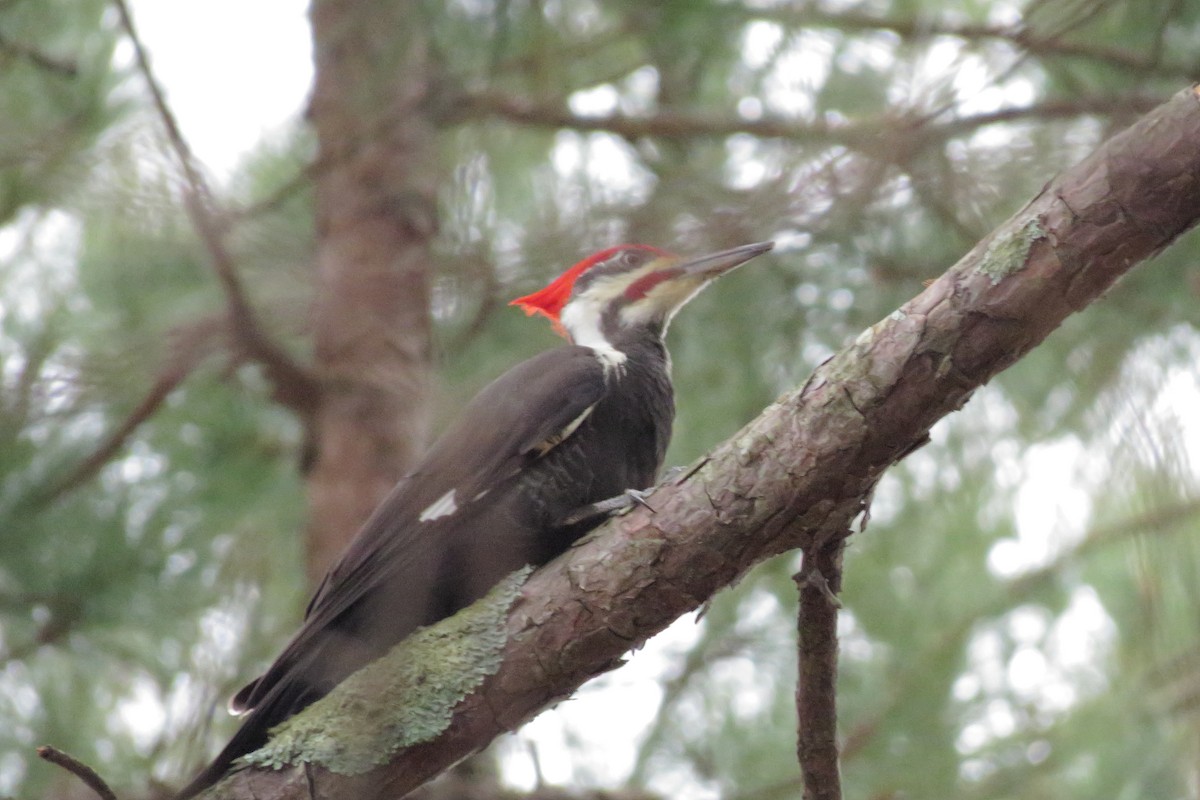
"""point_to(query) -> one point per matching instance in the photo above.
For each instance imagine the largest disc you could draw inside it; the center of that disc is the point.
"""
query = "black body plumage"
(568, 428)
(509, 496)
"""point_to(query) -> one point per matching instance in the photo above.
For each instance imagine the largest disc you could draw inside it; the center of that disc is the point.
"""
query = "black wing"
(513, 421)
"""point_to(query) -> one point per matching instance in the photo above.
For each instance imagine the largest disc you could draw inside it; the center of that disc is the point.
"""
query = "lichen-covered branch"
(798, 474)
(406, 698)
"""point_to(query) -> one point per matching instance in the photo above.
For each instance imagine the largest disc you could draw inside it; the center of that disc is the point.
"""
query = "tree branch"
(917, 29)
(819, 581)
(799, 473)
(77, 768)
(872, 134)
(293, 386)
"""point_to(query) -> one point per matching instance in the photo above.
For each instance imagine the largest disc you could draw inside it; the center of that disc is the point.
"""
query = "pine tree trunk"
(376, 214)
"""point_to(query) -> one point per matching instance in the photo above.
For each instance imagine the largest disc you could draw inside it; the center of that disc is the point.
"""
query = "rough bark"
(798, 474)
(375, 216)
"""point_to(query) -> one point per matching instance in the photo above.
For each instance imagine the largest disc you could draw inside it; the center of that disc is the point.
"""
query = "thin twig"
(293, 386)
(819, 580)
(1022, 36)
(192, 345)
(277, 198)
(77, 768)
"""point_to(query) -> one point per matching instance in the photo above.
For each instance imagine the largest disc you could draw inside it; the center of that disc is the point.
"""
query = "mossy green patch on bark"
(1008, 251)
(404, 698)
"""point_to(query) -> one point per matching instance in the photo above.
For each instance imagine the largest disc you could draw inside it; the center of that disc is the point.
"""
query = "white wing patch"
(444, 506)
(555, 440)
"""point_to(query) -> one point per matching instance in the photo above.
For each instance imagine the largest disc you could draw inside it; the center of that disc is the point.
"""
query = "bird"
(533, 463)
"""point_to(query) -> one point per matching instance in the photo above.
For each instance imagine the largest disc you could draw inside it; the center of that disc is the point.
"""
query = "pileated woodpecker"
(510, 484)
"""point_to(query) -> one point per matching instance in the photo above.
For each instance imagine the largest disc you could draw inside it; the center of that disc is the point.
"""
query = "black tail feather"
(282, 702)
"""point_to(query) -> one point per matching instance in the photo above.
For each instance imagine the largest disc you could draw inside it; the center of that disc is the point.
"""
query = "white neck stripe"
(581, 320)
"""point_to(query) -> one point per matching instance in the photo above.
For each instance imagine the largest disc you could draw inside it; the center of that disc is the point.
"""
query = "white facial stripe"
(606, 288)
(581, 318)
(582, 315)
(444, 506)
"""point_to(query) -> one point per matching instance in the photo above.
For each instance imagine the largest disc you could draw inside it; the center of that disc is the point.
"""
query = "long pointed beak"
(714, 264)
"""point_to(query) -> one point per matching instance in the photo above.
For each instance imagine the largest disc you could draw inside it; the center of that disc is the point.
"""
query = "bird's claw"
(635, 497)
(612, 507)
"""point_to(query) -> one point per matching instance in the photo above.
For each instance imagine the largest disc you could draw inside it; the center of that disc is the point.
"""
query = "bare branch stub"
(77, 768)
(819, 581)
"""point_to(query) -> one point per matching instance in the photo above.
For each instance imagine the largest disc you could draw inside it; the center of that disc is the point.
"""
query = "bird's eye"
(631, 258)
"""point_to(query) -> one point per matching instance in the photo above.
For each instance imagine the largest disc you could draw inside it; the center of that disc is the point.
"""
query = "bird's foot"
(630, 498)
(612, 507)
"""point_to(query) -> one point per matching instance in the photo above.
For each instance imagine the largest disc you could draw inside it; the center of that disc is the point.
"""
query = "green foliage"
(1021, 612)
(57, 97)
(109, 592)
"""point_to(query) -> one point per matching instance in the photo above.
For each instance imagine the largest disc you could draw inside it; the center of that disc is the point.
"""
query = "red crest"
(550, 301)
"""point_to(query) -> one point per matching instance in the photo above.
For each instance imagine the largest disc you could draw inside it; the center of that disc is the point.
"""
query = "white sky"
(233, 70)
